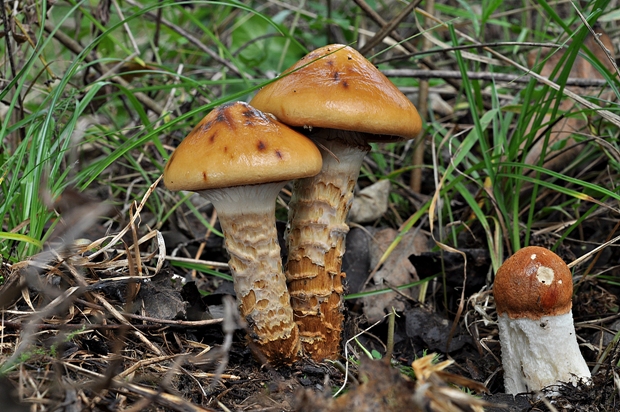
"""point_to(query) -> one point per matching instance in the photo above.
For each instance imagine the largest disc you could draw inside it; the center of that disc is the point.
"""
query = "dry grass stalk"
(566, 126)
(59, 325)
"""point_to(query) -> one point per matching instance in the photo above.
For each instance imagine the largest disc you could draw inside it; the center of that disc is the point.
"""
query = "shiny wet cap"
(335, 87)
(237, 145)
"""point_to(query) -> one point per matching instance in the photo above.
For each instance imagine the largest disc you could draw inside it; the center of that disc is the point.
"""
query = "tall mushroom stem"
(252, 242)
(316, 243)
(530, 353)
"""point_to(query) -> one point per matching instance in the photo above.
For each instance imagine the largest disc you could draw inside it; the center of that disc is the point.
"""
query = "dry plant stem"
(190, 38)
(415, 183)
(76, 48)
(252, 242)
(496, 77)
(606, 114)
(389, 27)
(318, 210)
(407, 45)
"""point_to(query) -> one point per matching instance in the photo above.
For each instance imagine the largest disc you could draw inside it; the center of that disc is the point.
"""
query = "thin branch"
(389, 27)
(613, 118)
(76, 48)
(394, 34)
(497, 77)
(190, 38)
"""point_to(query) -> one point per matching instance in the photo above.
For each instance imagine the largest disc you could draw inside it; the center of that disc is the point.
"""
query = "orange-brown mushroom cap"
(237, 145)
(532, 283)
(335, 87)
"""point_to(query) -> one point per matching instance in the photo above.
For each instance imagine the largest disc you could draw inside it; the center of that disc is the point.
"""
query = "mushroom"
(239, 158)
(343, 102)
(533, 291)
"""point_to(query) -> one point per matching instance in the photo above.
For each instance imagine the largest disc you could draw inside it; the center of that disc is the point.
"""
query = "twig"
(596, 38)
(132, 220)
(613, 118)
(588, 255)
(72, 326)
(196, 42)
(10, 56)
(407, 45)
(496, 77)
(76, 48)
(415, 180)
(126, 26)
(186, 323)
(388, 40)
(116, 314)
(7, 30)
(445, 48)
(166, 399)
(390, 335)
(388, 28)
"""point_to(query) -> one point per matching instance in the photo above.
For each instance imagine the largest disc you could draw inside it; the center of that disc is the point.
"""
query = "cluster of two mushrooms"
(239, 158)
(342, 102)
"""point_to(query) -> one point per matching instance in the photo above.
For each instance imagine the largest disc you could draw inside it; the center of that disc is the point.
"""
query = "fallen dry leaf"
(370, 203)
(397, 270)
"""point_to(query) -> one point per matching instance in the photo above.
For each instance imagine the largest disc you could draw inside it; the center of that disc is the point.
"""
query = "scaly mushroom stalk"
(345, 102)
(533, 296)
(316, 239)
(239, 159)
(260, 285)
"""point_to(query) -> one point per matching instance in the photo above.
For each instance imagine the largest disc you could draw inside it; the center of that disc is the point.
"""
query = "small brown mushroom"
(533, 296)
(239, 158)
(344, 102)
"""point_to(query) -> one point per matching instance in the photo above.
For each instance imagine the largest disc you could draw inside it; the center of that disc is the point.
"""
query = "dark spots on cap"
(261, 145)
(349, 57)
(336, 76)
(330, 63)
(279, 154)
(225, 116)
(207, 125)
(225, 149)
(345, 84)
(249, 112)
(258, 116)
(212, 137)
(204, 176)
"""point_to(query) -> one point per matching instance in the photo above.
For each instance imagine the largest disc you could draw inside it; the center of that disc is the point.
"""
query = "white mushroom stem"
(247, 217)
(537, 353)
(316, 236)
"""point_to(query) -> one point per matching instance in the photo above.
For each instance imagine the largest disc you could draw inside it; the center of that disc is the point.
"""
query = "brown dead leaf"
(397, 270)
